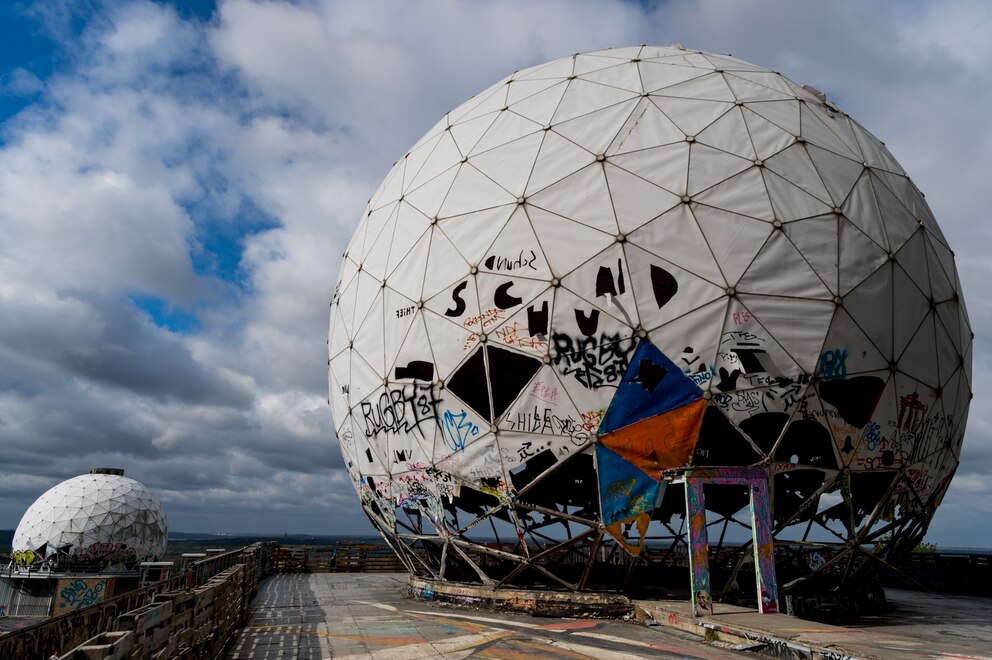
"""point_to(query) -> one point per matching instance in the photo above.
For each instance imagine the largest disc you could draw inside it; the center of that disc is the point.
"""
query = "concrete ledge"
(525, 601)
(774, 635)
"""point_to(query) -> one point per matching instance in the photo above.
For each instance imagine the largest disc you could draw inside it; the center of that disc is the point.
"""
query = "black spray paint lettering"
(537, 320)
(524, 259)
(664, 285)
(503, 299)
(605, 284)
(456, 296)
(588, 323)
(415, 369)
(546, 422)
(593, 363)
(400, 410)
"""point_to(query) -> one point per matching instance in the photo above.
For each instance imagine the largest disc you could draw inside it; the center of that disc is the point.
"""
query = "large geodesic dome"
(625, 263)
(96, 521)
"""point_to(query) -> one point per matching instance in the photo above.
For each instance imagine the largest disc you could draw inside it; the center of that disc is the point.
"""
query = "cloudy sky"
(179, 179)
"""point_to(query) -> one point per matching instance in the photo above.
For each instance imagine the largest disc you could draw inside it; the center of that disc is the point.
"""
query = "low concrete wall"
(526, 601)
(945, 572)
(342, 557)
(193, 615)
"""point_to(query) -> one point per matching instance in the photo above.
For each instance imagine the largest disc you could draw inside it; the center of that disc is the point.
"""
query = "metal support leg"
(764, 549)
(699, 547)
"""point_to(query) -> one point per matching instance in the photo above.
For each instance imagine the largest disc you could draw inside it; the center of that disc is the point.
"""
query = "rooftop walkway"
(356, 615)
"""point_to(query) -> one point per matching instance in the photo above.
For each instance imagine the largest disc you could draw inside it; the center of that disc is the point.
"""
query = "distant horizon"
(195, 536)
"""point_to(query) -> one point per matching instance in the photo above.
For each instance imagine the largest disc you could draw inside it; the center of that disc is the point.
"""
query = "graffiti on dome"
(488, 401)
(399, 409)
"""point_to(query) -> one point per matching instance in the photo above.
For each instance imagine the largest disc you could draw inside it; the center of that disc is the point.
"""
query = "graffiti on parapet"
(80, 593)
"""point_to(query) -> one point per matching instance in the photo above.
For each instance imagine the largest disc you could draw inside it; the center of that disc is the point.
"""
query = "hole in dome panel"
(572, 486)
(868, 490)
(793, 492)
(720, 443)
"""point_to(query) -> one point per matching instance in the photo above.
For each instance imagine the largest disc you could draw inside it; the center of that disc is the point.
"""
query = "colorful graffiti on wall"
(76, 593)
(96, 556)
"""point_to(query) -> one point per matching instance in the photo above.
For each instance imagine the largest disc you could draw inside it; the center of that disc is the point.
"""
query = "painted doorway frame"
(756, 479)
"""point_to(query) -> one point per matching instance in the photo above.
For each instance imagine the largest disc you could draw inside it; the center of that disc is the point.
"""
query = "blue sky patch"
(166, 315)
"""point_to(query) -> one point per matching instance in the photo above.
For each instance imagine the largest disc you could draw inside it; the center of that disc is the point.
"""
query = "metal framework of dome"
(97, 521)
(628, 263)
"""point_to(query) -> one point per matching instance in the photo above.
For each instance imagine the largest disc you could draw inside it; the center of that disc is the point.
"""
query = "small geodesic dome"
(97, 521)
(637, 260)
